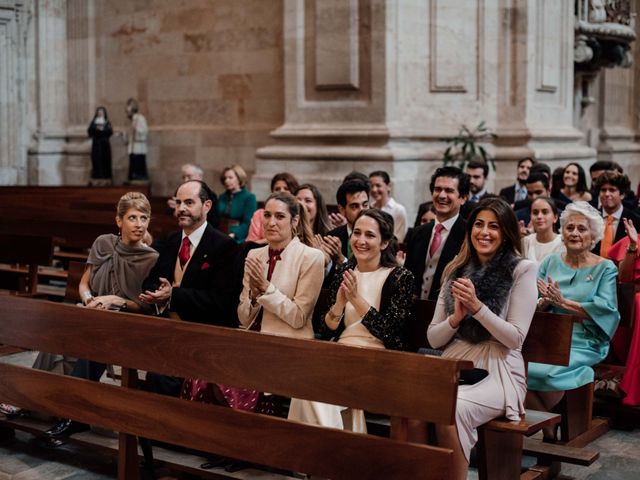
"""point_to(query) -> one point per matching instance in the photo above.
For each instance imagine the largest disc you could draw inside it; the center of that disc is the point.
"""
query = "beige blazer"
(292, 294)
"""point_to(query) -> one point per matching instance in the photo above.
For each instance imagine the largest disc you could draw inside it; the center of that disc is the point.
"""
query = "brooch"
(589, 278)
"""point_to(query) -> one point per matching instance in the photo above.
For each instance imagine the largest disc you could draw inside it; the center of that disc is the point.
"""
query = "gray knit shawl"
(119, 269)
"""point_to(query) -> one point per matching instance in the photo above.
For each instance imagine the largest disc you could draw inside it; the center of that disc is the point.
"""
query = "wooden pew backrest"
(394, 383)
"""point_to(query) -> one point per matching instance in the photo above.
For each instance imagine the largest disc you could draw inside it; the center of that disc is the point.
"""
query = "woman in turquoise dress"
(580, 283)
(236, 205)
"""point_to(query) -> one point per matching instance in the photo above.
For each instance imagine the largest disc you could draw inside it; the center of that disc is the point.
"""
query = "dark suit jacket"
(620, 233)
(417, 253)
(509, 193)
(343, 234)
(209, 291)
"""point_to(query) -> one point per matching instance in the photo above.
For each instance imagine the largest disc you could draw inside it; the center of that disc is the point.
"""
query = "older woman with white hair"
(580, 283)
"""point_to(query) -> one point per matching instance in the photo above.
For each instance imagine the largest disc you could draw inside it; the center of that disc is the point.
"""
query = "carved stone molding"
(604, 32)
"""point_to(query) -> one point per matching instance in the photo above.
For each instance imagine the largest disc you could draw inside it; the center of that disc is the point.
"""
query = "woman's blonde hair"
(137, 201)
(239, 171)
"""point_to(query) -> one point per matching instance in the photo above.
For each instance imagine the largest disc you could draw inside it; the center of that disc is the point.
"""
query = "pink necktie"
(185, 251)
(437, 239)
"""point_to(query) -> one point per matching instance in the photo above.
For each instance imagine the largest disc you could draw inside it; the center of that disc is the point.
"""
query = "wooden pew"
(27, 250)
(74, 216)
(399, 384)
(75, 272)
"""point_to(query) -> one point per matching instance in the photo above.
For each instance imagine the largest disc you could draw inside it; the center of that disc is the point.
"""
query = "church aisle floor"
(27, 458)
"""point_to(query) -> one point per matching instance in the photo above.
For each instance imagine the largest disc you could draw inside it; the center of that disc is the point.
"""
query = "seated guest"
(281, 182)
(281, 284)
(426, 214)
(382, 199)
(580, 283)
(625, 254)
(191, 279)
(518, 191)
(598, 168)
(236, 205)
(352, 197)
(191, 171)
(311, 198)
(112, 280)
(574, 182)
(282, 280)
(537, 186)
(478, 172)
(433, 245)
(337, 219)
(611, 188)
(370, 301)
(483, 314)
(544, 241)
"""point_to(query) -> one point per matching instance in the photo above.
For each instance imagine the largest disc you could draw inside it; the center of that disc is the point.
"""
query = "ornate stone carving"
(603, 34)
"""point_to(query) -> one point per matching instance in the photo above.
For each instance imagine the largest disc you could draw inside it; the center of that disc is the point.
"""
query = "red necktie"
(437, 239)
(185, 251)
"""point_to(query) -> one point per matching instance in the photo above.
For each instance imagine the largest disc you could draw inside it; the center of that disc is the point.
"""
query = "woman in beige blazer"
(282, 280)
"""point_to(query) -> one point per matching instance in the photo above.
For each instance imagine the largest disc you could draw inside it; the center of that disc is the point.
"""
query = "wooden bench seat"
(532, 422)
(398, 384)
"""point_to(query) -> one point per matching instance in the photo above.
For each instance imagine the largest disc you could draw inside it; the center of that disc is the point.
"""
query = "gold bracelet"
(332, 316)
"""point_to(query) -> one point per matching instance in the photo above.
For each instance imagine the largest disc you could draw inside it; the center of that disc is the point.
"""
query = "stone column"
(13, 26)
(377, 84)
(335, 75)
(81, 88)
(47, 151)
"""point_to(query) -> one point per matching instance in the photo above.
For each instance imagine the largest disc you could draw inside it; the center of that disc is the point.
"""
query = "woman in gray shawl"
(117, 265)
(112, 279)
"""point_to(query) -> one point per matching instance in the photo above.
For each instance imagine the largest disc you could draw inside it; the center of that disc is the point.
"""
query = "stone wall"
(208, 76)
(317, 87)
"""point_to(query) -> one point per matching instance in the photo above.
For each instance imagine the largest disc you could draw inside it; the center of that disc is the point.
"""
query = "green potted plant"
(465, 146)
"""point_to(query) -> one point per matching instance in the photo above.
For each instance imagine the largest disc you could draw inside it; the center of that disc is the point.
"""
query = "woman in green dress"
(581, 283)
(237, 204)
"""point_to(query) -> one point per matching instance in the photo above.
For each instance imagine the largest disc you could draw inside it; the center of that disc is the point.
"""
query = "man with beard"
(434, 244)
(352, 197)
(193, 280)
(190, 280)
(518, 191)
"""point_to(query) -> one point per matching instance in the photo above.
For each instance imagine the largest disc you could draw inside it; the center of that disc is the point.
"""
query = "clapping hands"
(550, 292)
(465, 300)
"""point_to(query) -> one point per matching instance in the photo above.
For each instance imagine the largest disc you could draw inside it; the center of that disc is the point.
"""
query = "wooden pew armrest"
(532, 422)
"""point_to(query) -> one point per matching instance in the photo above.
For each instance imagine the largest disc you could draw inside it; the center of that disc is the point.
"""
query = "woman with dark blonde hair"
(237, 204)
(282, 280)
(483, 314)
(281, 182)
